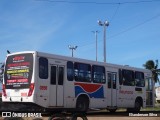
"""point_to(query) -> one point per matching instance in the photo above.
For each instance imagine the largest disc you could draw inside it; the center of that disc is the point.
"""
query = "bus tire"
(158, 101)
(82, 104)
(137, 106)
(112, 110)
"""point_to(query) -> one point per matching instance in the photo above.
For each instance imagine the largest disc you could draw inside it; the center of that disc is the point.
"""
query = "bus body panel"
(95, 93)
(126, 96)
(17, 96)
(50, 88)
(18, 76)
(69, 94)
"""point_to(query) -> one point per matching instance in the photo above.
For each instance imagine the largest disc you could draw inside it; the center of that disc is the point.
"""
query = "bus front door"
(56, 86)
(112, 89)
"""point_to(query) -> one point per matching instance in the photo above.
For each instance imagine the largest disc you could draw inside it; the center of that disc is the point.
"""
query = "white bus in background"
(157, 91)
(53, 82)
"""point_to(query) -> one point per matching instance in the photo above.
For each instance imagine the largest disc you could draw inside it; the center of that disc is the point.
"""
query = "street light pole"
(104, 43)
(95, 32)
(72, 48)
(105, 24)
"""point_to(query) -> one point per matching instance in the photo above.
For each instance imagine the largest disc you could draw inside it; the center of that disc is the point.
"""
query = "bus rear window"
(18, 71)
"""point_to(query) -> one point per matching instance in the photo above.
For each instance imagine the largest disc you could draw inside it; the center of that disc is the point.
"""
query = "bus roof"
(61, 57)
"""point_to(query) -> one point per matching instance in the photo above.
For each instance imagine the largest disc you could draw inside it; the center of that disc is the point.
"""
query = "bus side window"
(70, 71)
(61, 76)
(98, 74)
(114, 79)
(109, 80)
(43, 68)
(53, 75)
(120, 77)
(128, 77)
(139, 77)
(82, 72)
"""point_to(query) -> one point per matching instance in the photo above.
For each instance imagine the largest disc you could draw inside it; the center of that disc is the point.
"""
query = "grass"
(156, 108)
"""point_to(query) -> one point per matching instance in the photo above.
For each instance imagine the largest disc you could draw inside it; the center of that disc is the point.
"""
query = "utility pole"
(95, 32)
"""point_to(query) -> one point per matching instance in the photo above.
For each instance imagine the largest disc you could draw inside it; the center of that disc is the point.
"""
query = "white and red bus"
(58, 82)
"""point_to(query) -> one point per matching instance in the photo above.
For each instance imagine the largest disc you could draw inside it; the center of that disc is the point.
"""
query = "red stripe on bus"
(89, 87)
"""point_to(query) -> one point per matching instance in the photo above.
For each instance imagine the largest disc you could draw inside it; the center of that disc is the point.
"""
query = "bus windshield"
(18, 71)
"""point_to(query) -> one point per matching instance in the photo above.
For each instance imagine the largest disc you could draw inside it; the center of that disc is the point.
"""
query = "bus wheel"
(158, 101)
(137, 106)
(112, 110)
(82, 104)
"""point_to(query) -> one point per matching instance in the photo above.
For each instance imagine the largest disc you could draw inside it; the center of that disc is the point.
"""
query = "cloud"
(29, 27)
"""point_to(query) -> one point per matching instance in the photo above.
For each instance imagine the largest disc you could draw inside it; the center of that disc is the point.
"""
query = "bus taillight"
(31, 88)
(4, 90)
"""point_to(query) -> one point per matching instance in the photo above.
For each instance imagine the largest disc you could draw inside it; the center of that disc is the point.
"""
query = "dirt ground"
(123, 118)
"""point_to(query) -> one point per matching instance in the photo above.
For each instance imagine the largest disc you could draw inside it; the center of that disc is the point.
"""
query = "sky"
(132, 37)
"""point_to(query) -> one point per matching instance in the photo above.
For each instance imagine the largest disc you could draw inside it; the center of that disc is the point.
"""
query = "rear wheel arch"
(138, 104)
(82, 102)
(140, 100)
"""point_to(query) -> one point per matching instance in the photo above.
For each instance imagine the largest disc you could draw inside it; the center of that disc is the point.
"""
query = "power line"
(135, 26)
(115, 13)
(103, 3)
(142, 1)
(128, 29)
(111, 3)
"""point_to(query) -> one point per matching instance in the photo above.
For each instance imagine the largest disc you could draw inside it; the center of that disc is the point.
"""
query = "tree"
(153, 66)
